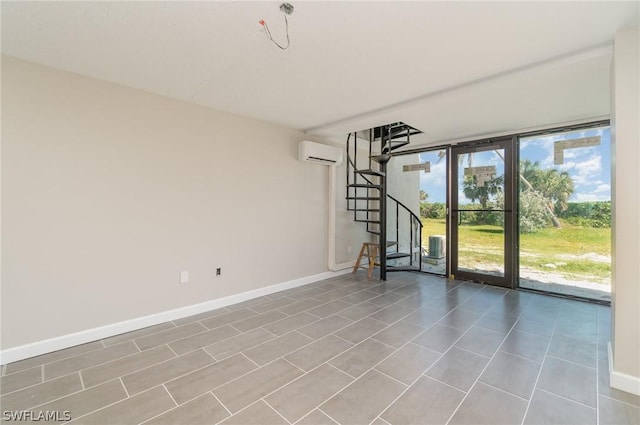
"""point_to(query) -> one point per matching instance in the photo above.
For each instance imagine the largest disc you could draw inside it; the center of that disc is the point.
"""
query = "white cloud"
(591, 192)
(437, 176)
(583, 172)
(590, 197)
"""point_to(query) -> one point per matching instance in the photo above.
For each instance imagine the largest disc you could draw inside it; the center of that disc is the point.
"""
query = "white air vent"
(319, 153)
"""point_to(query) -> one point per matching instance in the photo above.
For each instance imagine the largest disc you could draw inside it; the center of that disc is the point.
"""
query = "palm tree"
(481, 193)
(555, 186)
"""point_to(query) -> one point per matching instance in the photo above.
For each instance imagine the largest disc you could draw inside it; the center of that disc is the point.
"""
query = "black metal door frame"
(508, 144)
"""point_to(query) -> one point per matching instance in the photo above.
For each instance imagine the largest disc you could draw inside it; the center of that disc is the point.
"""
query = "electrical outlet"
(184, 277)
(218, 271)
(349, 249)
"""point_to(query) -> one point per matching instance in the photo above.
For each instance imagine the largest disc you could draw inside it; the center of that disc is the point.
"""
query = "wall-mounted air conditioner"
(319, 153)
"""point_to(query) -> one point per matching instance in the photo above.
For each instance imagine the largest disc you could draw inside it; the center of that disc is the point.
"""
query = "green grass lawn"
(570, 249)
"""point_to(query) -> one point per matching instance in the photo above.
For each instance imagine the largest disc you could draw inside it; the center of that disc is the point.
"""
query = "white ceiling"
(452, 69)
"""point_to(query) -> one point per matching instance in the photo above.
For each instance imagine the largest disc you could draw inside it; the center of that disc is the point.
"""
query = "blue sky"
(434, 183)
(589, 167)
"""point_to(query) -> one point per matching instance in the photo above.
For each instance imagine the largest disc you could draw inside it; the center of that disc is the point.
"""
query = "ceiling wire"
(286, 9)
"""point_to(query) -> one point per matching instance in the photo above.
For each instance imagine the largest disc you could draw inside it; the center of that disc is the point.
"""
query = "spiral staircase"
(367, 197)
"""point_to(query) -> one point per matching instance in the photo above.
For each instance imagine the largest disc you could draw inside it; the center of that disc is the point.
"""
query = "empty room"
(320, 212)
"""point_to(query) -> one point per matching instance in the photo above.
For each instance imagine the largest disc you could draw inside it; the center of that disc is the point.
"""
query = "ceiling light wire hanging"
(286, 9)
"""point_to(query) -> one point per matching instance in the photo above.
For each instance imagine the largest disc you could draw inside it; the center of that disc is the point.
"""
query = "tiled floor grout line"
(424, 375)
(334, 367)
(328, 415)
(58, 360)
(33, 385)
(521, 357)
(234, 379)
(246, 357)
(573, 362)
(474, 353)
(300, 420)
(619, 401)
(204, 347)
(266, 395)
(544, 359)
(173, 378)
(272, 408)
(566, 398)
(233, 327)
(389, 376)
(81, 380)
(64, 396)
(79, 371)
(125, 388)
(221, 403)
(116, 402)
(172, 399)
(506, 392)
(174, 353)
(137, 346)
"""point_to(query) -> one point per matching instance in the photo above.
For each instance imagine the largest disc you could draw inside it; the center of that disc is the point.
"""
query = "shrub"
(533, 214)
(588, 214)
(432, 210)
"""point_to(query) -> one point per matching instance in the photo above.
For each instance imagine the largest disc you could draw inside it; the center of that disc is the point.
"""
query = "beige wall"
(350, 235)
(109, 192)
(626, 195)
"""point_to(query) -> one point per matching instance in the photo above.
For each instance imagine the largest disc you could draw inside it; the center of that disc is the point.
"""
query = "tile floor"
(415, 350)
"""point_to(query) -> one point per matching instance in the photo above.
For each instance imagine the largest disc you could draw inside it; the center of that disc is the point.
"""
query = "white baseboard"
(622, 381)
(70, 340)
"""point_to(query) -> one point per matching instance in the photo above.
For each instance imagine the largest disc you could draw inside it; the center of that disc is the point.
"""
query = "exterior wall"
(108, 193)
(626, 204)
(405, 187)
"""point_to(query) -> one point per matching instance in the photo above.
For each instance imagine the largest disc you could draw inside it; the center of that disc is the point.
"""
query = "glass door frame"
(509, 145)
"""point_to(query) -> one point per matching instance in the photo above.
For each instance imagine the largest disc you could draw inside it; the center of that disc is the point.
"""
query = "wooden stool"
(371, 250)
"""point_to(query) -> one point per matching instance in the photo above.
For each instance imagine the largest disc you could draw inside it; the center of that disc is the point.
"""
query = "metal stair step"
(394, 146)
(380, 158)
(367, 185)
(403, 268)
(402, 134)
(364, 198)
(368, 221)
(370, 172)
(365, 209)
(396, 255)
